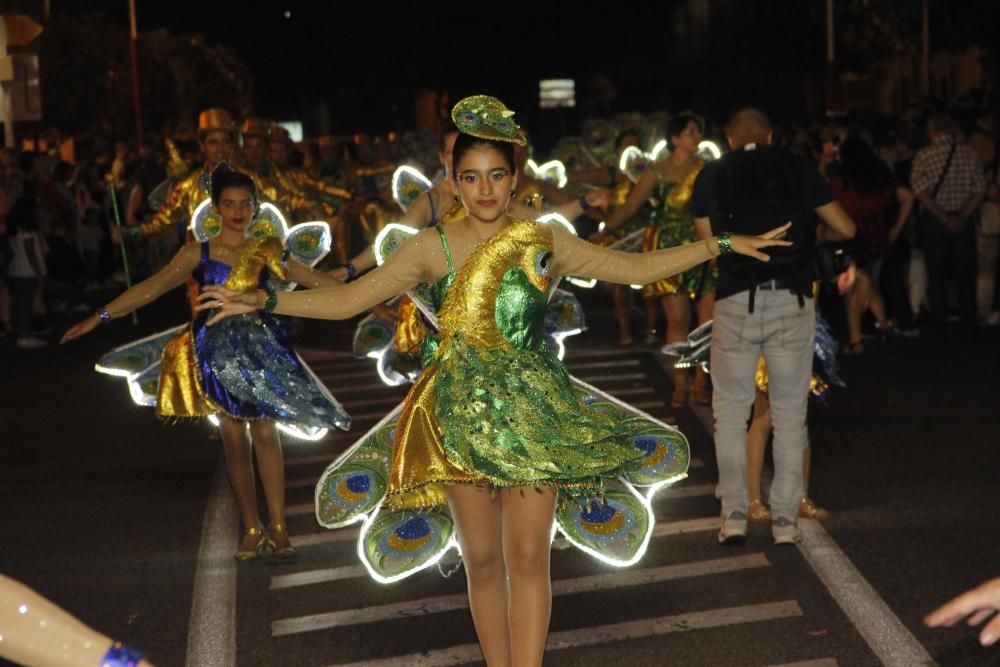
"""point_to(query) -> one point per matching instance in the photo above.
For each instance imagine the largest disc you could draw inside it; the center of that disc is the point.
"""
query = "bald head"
(748, 126)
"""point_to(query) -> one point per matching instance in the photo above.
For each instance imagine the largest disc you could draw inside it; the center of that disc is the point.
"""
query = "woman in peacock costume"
(244, 371)
(393, 334)
(495, 436)
(668, 183)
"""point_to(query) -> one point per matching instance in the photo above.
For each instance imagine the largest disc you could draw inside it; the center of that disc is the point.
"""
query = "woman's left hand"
(228, 302)
(752, 245)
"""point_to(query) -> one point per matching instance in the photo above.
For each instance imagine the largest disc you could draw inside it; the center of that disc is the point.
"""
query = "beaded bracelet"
(104, 315)
(725, 243)
(271, 300)
(120, 655)
(352, 271)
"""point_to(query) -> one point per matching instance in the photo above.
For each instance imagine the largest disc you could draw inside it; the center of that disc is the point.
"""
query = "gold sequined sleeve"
(169, 277)
(405, 268)
(306, 182)
(575, 257)
(172, 212)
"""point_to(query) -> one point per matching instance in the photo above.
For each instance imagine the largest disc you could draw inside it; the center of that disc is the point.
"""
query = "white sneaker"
(784, 531)
(734, 528)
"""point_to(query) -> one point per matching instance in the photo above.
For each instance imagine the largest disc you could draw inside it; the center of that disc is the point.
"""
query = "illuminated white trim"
(377, 243)
(194, 217)
(538, 172)
(214, 419)
(117, 372)
(417, 175)
(558, 219)
(601, 226)
(326, 240)
(296, 432)
(623, 160)
(660, 147)
(641, 551)
(586, 283)
(559, 336)
(711, 147)
(268, 206)
(652, 489)
(450, 544)
(636, 287)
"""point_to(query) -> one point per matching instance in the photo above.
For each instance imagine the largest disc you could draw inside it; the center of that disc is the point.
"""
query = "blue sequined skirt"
(248, 368)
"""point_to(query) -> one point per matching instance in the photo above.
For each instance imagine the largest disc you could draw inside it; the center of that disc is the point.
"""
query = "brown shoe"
(808, 510)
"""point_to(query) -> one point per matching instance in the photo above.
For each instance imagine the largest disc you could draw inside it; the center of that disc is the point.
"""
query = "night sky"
(367, 58)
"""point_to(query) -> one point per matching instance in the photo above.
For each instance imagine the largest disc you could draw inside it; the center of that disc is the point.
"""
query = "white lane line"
(301, 482)
(212, 627)
(444, 603)
(604, 634)
(821, 662)
(885, 634)
(309, 577)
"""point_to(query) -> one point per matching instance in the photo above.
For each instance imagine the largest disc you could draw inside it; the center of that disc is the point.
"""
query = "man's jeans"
(783, 331)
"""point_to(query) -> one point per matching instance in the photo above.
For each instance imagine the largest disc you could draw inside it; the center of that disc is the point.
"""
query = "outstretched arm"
(38, 632)
(978, 604)
(575, 257)
(169, 277)
(639, 194)
(404, 269)
(309, 277)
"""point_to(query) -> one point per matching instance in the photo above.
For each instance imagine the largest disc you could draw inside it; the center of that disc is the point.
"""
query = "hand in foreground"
(81, 328)
(752, 245)
(229, 302)
(385, 312)
(340, 273)
(600, 198)
(845, 280)
(980, 602)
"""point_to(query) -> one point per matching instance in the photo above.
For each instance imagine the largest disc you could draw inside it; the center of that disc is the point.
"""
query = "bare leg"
(678, 310)
(528, 514)
(271, 463)
(476, 512)
(651, 319)
(239, 467)
(623, 311)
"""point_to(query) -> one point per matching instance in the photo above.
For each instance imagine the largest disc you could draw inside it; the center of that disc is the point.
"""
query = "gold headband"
(487, 118)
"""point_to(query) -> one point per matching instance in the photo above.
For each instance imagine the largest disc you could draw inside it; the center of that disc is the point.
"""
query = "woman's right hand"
(752, 245)
(228, 302)
(81, 328)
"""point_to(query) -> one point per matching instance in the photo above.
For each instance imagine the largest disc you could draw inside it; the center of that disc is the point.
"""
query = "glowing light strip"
(451, 543)
(558, 337)
(541, 171)
(138, 395)
(640, 552)
(586, 283)
(416, 175)
(380, 237)
(296, 432)
(194, 217)
(660, 147)
(711, 147)
(626, 154)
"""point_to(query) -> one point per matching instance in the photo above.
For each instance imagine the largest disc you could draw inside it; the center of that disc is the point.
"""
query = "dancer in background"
(246, 372)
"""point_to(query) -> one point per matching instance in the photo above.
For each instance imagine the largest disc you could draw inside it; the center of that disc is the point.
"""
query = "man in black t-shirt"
(764, 309)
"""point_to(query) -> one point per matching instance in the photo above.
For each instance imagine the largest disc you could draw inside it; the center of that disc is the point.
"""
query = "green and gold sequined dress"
(495, 407)
(671, 225)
